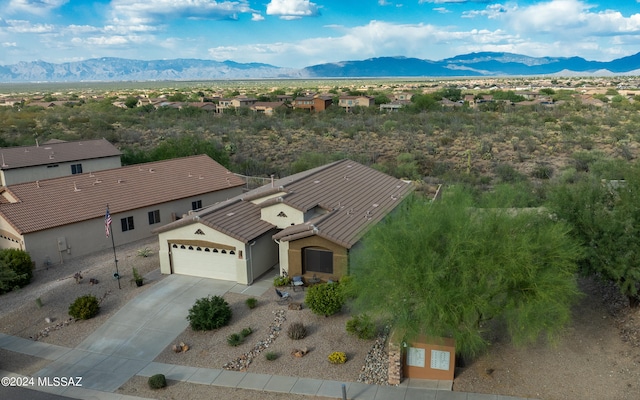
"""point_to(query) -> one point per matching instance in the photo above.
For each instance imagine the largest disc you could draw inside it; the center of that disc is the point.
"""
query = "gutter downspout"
(251, 263)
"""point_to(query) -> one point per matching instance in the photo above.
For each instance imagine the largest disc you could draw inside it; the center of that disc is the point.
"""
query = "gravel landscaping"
(598, 357)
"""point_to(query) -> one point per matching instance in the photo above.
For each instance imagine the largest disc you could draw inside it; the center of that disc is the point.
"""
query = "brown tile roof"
(56, 152)
(354, 197)
(351, 197)
(61, 201)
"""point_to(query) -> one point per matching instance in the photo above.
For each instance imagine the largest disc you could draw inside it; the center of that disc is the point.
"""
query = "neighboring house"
(394, 105)
(242, 101)
(317, 103)
(55, 159)
(307, 223)
(58, 219)
(348, 102)
(268, 107)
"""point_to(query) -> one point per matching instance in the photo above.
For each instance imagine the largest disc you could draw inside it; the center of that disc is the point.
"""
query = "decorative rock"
(47, 320)
(295, 306)
(242, 363)
(300, 352)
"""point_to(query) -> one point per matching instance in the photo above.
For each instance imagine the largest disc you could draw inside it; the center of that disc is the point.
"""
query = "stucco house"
(55, 159)
(348, 102)
(61, 218)
(306, 224)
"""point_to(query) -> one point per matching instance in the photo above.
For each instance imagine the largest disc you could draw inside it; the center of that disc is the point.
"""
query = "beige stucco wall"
(340, 257)
(87, 237)
(41, 172)
(251, 260)
(270, 214)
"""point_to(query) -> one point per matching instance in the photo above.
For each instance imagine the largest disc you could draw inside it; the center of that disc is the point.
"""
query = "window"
(154, 217)
(195, 205)
(76, 169)
(127, 224)
(316, 259)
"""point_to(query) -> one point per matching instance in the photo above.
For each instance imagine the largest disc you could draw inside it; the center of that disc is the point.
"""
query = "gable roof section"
(350, 197)
(56, 152)
(353, 197)
(61, 201)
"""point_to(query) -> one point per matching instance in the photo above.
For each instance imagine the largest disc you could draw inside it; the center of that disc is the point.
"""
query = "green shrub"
(271, 355)
(235, 339)
(297, 331)
(251, 302)
(337, 357)
(325, 299)
(157, 381)
(281, 281)
(209, 313)
(16, 269)
(246, 332)
(362, 327)
(84, 307)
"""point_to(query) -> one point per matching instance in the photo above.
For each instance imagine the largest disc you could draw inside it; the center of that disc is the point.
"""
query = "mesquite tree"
(450, 269)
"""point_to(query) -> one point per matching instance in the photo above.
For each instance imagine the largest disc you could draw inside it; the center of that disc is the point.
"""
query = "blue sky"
(298, 33)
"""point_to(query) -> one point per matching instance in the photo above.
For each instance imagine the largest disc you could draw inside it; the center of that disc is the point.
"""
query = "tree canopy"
(602, 207)
(449, 269)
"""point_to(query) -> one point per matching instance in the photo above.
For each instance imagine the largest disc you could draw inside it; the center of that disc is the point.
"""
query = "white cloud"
(37, 7)
(9, 44)
(570, 18)
(21, 26)
(441, 10)
(292, 9)
(148, 12)
(257, 17)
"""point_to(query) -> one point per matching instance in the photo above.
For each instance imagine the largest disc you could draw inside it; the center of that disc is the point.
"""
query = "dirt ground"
(597, 358)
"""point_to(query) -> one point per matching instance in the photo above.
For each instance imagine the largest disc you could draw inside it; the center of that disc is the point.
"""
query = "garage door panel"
(204, 262)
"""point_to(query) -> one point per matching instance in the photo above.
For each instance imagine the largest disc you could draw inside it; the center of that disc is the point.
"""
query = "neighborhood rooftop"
(45, 204)
(55, 152)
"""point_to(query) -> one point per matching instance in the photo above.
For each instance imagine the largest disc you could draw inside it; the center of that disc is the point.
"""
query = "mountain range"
(484, 64)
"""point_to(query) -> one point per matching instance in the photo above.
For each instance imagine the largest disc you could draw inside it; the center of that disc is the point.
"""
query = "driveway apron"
(135, 335)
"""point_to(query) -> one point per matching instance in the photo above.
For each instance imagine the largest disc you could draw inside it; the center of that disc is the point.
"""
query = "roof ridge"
(308, 173)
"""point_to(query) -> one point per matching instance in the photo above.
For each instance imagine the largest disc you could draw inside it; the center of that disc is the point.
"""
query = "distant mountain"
(119, 69)
(471, 65)
(474, 64)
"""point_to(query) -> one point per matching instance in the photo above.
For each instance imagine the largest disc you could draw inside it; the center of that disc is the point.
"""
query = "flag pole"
(113, 245)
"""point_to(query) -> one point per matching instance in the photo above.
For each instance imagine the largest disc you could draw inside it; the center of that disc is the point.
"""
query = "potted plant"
(137, 278)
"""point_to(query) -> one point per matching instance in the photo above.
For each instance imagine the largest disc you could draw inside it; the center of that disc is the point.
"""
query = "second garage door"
(205, 262)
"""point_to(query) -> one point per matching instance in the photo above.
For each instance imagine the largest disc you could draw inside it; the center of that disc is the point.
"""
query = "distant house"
(316, 103)
(306, 223)
(55, 159)
(394, 105)
(57, 219)
(348, 102)
(268, 107)
(242, 101)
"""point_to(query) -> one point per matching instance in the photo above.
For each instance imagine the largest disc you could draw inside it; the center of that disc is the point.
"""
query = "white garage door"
(205, 262)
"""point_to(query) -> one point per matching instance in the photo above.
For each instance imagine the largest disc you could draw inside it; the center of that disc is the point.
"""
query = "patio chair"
(283, 297)
(297, 282)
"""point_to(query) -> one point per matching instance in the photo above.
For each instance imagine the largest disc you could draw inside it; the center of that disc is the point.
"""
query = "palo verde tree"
(450, 269)
(602, 207)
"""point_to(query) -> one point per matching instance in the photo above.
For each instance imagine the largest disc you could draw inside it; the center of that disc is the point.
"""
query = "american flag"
(107, 222)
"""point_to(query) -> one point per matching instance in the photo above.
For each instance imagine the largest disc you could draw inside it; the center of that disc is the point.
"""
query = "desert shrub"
(84, 307)
(297, 331)
(16, 269)
(337, 357)
(271, 355)
(281, 280)
(157, 381)
(209, 313)
(235, 339)
(325, 299)
(251, 302)
(361, 326)
(246, 332)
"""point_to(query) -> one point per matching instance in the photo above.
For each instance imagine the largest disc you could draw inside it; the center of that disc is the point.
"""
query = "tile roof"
(352, 197)
(56, 152)
(348, 196)
(61, 201)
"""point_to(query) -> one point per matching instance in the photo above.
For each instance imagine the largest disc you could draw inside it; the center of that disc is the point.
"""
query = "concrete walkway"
(131, 339)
